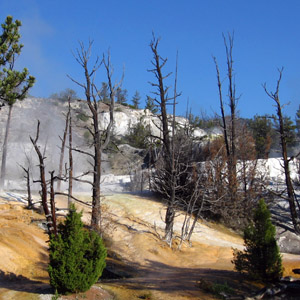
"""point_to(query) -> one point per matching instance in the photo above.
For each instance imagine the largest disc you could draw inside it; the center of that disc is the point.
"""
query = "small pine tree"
(77, 256)
(136, 100)
(150, 104)
(104, 93)
(261, 259)
(121, 96)
(262, 131)
(138, 136)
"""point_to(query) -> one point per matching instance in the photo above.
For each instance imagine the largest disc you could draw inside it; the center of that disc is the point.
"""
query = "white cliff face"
(128, 118)
(52, 112)
(122, 121)
(125, 119)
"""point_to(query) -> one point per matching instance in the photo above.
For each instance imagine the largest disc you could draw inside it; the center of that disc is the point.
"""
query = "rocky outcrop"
(51, 113)
(126, 117)
(286, 288)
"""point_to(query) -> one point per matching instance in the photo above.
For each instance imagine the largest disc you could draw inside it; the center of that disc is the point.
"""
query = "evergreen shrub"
(77, 256)
(261, 259)
(138, 136)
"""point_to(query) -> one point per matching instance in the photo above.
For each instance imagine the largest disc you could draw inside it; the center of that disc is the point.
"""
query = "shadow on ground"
(20, 283)
(163, 278)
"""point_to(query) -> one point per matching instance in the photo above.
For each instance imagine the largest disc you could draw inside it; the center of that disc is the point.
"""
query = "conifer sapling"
(261, 259)
(77, 256)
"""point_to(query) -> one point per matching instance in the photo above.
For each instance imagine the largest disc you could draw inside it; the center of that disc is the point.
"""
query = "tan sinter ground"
(134, 250)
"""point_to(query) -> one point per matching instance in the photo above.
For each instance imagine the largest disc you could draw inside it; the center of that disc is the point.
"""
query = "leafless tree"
(27, 177)
(286, 161)
(52, 203)
(168, 174)
(233, 160)
(60, 177)
(62, 149)
(176, 176)
(42, 179)
(101, 139)
(229, 130)
(70, 190)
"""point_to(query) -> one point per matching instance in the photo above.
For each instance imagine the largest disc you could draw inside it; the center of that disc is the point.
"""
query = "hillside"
(143, 263)
(139, 262)
(51, 113)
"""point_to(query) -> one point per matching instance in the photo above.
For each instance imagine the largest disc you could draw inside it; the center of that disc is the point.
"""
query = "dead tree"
(286, 161)
(52, 203)
(100, 138)
(229, 130)
(27, 177)
(62, 149)
(177, 176)
(67, 133)
(236, 180)
(70, 189)
(42, 180)
(162, 100)
(173, 175)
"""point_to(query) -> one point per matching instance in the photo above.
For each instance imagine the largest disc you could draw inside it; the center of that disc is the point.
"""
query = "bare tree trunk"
(158, 63)
(224, 125)
(5, 145)
(170, 213)
(62, 152)
(42, 179)
(286, 161)
(70, 190)
(96, 210)
(232, 104)
(52, 202)
(27, 177)
(196, 218)
(229, 135)
(169, 220)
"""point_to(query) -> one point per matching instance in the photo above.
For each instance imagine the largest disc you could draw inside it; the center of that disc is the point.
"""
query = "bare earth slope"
(23, 252)
(135, 252)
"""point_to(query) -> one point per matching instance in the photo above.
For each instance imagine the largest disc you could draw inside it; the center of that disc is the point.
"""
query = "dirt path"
(146, 266)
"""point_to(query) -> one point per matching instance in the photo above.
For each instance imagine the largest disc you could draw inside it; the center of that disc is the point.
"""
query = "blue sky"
(267, 37)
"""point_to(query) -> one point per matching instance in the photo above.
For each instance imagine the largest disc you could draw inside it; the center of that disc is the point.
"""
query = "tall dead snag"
(42, 178)
(70, 190)
(237, 179)
(286, 161)
(100, 138)
(229, 130)
(168, 176)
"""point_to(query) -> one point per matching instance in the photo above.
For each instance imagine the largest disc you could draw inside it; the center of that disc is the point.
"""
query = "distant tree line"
(264, 129)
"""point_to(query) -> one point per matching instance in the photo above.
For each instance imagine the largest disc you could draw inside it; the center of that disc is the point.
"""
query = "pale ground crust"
(129, 222)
